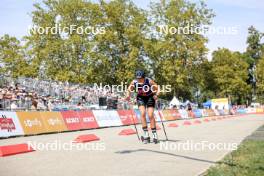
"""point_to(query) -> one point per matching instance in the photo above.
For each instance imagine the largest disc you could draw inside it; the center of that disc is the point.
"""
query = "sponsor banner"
(167, 115)
(53, 121)
(9, 124)
(251, 110)
(127, 116)
(156, 115)
(107, 118)
(87, 119)
(137, 113)
(133, 115)
(71, 120)
(197, 113)
(216, 111)
(241, 111)
(221, 112)
(31, 122)
(226, 111)
(220, 103)
(175, 114)
(210, 112)
(259, 110)
(184, 113)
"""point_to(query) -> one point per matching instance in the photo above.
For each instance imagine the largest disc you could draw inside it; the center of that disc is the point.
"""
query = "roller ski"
(146, 139)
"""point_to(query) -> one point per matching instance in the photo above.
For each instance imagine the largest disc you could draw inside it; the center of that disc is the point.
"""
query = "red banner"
(72, 120)
(126, 117)
(87, 119)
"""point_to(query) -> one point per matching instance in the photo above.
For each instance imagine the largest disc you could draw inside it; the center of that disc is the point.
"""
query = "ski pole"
(161, 121)
(134, 123)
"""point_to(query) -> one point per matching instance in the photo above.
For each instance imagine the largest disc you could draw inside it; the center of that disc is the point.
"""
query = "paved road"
(124, 156)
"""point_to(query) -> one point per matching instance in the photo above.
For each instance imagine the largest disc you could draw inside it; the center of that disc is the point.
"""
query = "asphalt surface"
(116, 155)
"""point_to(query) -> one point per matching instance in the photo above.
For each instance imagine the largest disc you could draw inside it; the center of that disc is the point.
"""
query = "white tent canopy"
(175, 102)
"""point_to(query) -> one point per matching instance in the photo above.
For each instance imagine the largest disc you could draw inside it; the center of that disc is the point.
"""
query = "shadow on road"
(169, 140)
(164, 153)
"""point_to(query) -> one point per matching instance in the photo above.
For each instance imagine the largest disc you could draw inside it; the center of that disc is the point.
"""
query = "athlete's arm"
(154, 88)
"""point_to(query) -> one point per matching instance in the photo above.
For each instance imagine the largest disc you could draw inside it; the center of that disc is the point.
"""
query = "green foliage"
(260, 79)
(248, 160)
(254, 52)
(176, 58)
(119, 37)
(230, 75)
(12, 58)
(254, 49)
(109, 57)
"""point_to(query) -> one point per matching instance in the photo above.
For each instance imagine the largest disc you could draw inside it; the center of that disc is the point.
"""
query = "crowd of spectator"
(32, 94)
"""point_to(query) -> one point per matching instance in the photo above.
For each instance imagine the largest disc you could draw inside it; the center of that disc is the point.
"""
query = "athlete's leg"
(150, 109)
(142, 110)
(146, 138)
(153, 124)
(151, 117)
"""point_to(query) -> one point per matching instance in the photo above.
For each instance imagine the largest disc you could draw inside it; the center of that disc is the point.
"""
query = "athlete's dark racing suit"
(144, 93)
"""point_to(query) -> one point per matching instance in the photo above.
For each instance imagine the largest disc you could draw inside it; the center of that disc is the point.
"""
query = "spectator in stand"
(189, 107)
(34, 105)
(31, 92)
(50, 105)
(79, 106)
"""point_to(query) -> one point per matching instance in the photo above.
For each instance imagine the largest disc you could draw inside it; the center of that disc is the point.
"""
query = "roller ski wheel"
(145, 140)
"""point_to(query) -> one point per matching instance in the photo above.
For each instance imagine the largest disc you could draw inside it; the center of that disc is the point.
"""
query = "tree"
(12, 58)
(121, 47)
(208, 84)
(252, 55)
(254, 48)
(230, 75)
(260, 79)
(108, 53)
(176, 56)
(64, 54)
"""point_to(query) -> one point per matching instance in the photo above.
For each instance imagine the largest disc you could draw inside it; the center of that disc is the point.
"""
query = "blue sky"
(15, 19)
